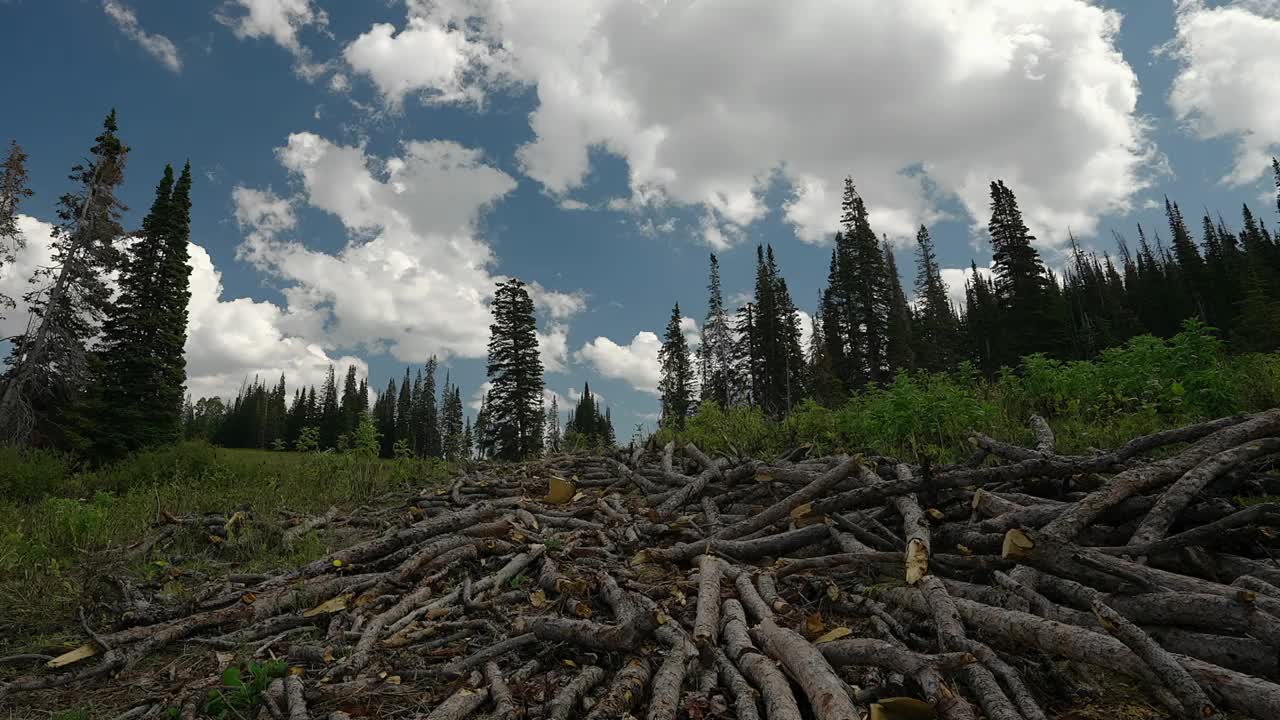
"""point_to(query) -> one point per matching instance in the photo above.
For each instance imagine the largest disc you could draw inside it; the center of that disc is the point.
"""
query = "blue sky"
(366, 170)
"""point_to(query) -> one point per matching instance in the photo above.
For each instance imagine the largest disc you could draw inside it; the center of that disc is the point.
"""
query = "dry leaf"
(215, 539)
(561, 491)
(248, 598)
(833, 592)
(833, 634)
(679, 596)
(902, 708)
(813, 624)
(764, 477)
(801, 511)
(393, 679)
(578, 496)
(224, 659)
(570, 663)
(332, 605)
(297, 670)
(86, 650)
(582, 610)
(538, 599)
(436, 613)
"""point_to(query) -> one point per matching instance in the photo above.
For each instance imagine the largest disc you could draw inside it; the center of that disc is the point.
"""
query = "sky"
(367, 171)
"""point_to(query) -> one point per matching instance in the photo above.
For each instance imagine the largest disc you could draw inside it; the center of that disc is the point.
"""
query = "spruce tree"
(867, 289)
(385, 412)
(349, 405)
(715, 353)
(430, 440)
(936, 330)
(48, 362)
(1026, 322)
(900, 351)
(515, 371)
(330, 412)
(675, 385)
(173, 297)
(13, 190)
(824, 385)
(1190, 264)
(404, 413)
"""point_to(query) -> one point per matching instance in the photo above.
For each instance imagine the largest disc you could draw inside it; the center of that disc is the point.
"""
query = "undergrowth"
(1146, 385)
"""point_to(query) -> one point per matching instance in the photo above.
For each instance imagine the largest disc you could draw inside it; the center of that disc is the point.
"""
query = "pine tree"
(429, 439)
(1026, 322)
(349, 405)
(899, 352)
(13, 190)
(936, 330)
(866, 287)
(748, 360)
(330, 412)
(982, 321)
(715, 353)
(515, 371)
(385, 412)
(173, 296)
(825, 386)
(48, 362)
(468, 441)
(676, 384)
(1190, 264)
(404, 413)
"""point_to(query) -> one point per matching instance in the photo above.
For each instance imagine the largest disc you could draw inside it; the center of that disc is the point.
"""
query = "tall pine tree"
(515, 371)
(13, 190)
(675, 385)
(715, 353)
(936, 329)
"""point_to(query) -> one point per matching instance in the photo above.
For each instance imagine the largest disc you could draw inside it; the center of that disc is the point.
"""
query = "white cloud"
(955, 279)
(228, 341)
(636, 363)
(413, 279)
(1229, 82)
(1035, 93)
(37, 253)
(157, 46)
(279, 20)
(423, 58)
(231, 340)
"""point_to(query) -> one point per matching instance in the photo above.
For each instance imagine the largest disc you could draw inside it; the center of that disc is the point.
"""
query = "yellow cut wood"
(833, 634)
(331, 605)
(86, 650)
(561, 491)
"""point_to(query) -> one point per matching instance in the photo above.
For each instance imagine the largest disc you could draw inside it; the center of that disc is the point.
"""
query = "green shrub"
(27, 475)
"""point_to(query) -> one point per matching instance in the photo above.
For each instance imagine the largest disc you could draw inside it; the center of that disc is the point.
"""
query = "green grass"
(1147, 385)
(59, 531)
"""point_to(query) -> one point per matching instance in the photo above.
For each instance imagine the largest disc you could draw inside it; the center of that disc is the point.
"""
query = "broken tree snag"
(1239, 692)
(926, 670)
(503, 705)
(706, 626)
(624, 692)
(668, 451)
(946, 620)
(1174, 677)
(1138, 479)
(792, 503)
(460, 704)
(1045, 442)
(566, 698)
(775, 691)
(302, 528)
(664, 700)
(915, 528)
(1172, 502)
(1017, 690)
(744, 696)
(293, 698)
(769, 593)
(804, 663)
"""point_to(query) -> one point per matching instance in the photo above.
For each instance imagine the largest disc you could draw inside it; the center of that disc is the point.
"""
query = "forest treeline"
(100, 369)
(865, 331)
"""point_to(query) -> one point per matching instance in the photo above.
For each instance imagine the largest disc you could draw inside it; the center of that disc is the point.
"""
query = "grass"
(60, 524)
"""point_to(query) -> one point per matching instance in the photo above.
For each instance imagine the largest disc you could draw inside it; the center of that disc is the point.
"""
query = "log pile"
(668, 584)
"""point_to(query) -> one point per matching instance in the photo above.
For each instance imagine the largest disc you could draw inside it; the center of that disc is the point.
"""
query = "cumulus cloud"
(157, 46)
(279, 20)
(228, 340)
(423, 58)
(955, 278)
(965, 90)
(1228, 85)
(636, 363)
(413, 279)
